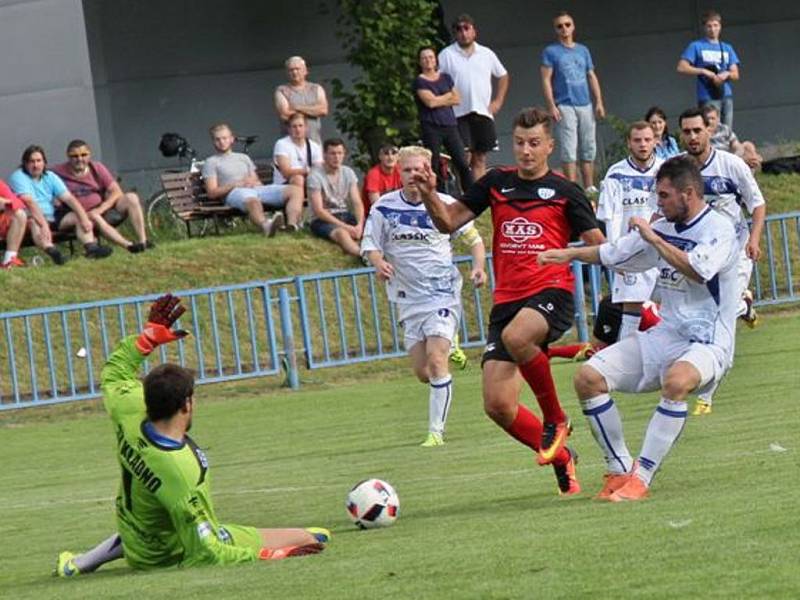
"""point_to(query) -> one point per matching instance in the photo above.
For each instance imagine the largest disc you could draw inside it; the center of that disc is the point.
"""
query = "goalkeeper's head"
(169, 391)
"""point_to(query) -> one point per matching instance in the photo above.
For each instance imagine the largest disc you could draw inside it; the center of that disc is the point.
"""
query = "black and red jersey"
(529, 216)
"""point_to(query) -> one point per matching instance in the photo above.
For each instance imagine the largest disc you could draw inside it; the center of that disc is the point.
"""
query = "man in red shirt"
(533, 210)
(383, 177)
(13, 221)
(101, 196)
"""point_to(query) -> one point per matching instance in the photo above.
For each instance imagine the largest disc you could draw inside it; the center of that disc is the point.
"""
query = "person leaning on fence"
(532, 209)
(232, 176)
(416, 262)
(101, 196)
(164, 511)
(52, 207)
(13, 222)
(300, 95)
(382, 177)
(338, 213)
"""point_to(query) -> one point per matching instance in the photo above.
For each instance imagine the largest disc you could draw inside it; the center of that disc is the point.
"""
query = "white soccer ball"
(373, 503)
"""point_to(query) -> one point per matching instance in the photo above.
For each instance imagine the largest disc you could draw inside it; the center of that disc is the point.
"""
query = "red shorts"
(6, 218)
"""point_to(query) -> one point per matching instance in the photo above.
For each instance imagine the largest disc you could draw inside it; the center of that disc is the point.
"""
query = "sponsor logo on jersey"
(410, 236)
(507, 190)
(635, 201)
(204, 530)
(521, 230)
(546, 193)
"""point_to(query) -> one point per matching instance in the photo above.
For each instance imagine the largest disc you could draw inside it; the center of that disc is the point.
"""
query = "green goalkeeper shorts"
(244, 536)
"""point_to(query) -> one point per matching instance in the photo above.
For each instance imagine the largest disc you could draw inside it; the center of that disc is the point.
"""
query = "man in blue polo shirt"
(51, 206)
(715, 64)
(568, 77)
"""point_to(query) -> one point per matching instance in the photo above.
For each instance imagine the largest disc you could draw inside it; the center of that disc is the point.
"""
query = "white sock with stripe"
(441, 393)
(664, 429)
(606, 426)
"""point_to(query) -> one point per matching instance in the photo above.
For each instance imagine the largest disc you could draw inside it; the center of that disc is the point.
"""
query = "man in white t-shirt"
(416, 262)
(338, 213)
(472, 67)
(232, 176)
(696, 252)
(628, 190)
(295, 155)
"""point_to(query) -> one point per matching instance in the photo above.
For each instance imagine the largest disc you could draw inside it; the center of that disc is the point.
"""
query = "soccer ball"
(373, 503)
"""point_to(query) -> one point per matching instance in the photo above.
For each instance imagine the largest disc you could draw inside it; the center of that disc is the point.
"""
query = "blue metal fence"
(247, 330)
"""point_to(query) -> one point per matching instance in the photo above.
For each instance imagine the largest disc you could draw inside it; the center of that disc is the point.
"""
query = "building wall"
(46, 94)
(180, 66)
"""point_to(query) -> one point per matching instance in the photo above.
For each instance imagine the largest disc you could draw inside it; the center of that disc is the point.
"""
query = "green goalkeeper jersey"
(164, 510)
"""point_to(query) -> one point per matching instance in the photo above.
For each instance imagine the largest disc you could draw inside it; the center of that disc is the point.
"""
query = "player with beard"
(533, 210)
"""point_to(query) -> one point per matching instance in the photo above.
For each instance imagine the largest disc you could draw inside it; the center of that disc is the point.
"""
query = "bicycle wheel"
(161, 221)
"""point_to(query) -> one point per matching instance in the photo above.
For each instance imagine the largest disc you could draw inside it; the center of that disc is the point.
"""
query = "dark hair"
(708, 109)
(166, 390)
(531, 117)
(463, 18)
(296, 115)
(690, 113)
(28, 152)
(657, 110)
(76, 144)
(563, 13)
(683, 172)
(432, 49)
(333, 142)
(710, 15)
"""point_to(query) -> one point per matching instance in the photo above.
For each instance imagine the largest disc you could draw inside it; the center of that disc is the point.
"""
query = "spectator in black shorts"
(472, 68)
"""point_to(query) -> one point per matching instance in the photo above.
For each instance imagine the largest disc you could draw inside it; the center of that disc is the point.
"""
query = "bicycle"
(162, 222)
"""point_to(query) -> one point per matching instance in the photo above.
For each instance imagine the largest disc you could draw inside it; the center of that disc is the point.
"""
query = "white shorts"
(422, 322)
(633, 287)
(270, 196)
(639, 362)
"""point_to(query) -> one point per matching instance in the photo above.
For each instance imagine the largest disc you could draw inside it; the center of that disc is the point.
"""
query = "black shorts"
(478, 132)
(608, 321)
(555, 305)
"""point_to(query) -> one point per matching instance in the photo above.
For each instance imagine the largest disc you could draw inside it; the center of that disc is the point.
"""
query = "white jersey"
(421, 255)
(629, 191)
(695, 312)
(728, 185)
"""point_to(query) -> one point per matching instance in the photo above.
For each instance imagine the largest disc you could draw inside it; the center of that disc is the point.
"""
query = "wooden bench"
(58, 238)
(189, 202)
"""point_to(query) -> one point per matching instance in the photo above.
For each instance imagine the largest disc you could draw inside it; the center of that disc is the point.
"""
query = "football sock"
(527, 429)
(8, 256)
(606, 425)
(629, 325)
(708, 397)
(665, 426)
(567, 351)
(105, 551)
(539, 377)
(441, 393)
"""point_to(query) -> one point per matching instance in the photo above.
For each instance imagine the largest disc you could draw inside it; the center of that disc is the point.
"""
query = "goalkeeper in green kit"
(165, 516)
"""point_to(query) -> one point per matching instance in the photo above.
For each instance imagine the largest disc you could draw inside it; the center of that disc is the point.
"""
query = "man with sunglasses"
(473, 67)
(568, 77)
(101, 197)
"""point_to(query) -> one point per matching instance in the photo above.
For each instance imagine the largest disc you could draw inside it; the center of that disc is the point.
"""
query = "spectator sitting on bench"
(295, 155)
(331, 188)
(383, 177)
(232, 176)
(13, 221)
(723, 138)
(101, 197)
(52, 207)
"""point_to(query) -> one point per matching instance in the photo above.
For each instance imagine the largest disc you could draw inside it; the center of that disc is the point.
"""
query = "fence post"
(288, 339)
(581, 321)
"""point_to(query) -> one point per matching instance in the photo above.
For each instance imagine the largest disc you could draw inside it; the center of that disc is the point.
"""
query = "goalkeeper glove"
(163, 313)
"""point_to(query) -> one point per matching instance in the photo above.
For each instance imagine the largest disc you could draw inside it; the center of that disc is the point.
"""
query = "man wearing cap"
(473, 67)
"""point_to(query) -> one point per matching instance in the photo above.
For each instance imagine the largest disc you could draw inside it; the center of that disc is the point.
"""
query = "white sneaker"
(271, 226)
(592, 190)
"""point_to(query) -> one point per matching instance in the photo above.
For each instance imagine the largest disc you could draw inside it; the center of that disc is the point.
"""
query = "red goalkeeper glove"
(289, 551)
(163, 313)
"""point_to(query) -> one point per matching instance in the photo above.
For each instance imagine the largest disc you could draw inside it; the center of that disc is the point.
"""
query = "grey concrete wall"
(46, 92)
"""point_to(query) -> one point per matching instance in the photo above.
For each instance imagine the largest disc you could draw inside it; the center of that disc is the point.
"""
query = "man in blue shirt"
(51, 206)
(567, 78)
(715, 64)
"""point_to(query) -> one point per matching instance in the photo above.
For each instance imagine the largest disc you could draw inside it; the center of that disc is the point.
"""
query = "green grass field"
(478, 518)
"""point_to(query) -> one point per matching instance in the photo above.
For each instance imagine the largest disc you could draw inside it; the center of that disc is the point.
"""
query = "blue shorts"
(271, 196)
(324, 229)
